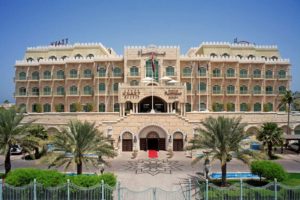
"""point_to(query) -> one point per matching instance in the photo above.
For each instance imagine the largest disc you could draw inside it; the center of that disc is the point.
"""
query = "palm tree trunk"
(79, 168)
(7, 162)
(270, 150)
(288, 122)
(223, 169)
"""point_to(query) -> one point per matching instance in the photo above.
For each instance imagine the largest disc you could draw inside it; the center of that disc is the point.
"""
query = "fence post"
(275, 189)
(241, 188)
(206, 189)
(68, 189)
(1, 186)
(102, 189)
(34, 189)
(190, 189)
(119, 190)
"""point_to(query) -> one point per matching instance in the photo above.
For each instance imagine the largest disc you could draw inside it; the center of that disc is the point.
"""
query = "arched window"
(269, 90)
(22, 76)
(22, 107)
(243, 73)
(187, 71)
(78, 56)
(264, 57)
(101, 87)
(101, 107)
(64, 57)
(47, 90)
(47, 107)
(60, 74)
(73, 107)
(87, 73)
(257, 89)
(230, 107)
(102, 72)
(268, 107)
(134, 71)
(22, 91)
(256, 73)
(36, 107)
(73, 89)
(243, 107)
(116, 87)
(40, 58)
(282, 108)
(90, 56)
(282, 89)
(230, 72)
(274, 58)
(202, 87)
(213, 55)
(257, 107)
(116, 107)
(134, 83)
(35, 75)
(230, 89)
(243, 89)
(216, 89)
(269, 74)
(52, 58)
(202, 106)
(73, 73)
(117, 72)
(282, 74)
(202, 71)
(226, 55)
(188, 86)
(60, 107)
(240, 56)
(35, 91)
(29, 59)
(251, 56)
(170, 71)
(47, 74)
(216, 72)
(188, 107)
(60, 90)
(87, 90)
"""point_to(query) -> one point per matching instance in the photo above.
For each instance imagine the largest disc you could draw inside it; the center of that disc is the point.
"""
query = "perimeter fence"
(196, 191)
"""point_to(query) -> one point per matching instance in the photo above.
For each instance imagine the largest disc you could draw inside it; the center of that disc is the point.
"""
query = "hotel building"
(144, 109)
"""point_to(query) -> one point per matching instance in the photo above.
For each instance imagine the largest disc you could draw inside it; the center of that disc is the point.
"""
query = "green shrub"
(268, 169)
(23, 176)
(51, 178)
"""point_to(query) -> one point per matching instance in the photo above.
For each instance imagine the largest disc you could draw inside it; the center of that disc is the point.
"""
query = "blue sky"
(135, 22)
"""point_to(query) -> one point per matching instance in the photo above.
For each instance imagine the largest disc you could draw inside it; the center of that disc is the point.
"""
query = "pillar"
(168, 108)
(123, 109)
(137, 107)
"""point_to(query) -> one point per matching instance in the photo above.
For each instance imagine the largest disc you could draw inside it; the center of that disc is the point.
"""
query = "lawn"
(293, 179)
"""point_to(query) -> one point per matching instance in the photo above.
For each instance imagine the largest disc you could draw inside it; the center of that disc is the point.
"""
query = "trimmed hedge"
(52, 178)
(269, 170)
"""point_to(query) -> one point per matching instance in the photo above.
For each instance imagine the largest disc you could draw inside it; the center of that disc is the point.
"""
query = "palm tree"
(288, 99)
(12, 132)
(80, 143)
(39, 132)
(221, 138)
(270, 134)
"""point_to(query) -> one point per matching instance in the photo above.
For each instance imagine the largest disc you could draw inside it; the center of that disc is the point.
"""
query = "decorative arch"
(297, 129)
(158, 143)
(52, 130)
(285, 129)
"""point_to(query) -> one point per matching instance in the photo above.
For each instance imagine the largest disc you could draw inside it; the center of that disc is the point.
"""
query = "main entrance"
(152, 142)
(159, 105)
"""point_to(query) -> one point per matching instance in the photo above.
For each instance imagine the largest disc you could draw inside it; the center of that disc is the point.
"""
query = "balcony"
(133, 74)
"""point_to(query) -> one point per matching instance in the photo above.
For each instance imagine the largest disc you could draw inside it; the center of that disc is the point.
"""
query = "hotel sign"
(173, 94)
(131, 94)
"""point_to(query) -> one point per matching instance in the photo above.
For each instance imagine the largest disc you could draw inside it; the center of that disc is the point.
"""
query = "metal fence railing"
(244, 191)
(198, 191)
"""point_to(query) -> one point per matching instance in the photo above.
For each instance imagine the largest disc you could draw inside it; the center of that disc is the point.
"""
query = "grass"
(292, 180)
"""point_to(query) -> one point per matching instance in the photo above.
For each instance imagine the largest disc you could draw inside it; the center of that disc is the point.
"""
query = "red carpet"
(152, 154)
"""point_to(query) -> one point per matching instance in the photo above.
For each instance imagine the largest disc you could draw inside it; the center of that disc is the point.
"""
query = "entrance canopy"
(159, 104)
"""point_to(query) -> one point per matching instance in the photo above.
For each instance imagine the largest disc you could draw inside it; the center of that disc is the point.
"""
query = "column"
(120, 109)
(133, 107)
(123, 109)
(168, 108)
(137, 108)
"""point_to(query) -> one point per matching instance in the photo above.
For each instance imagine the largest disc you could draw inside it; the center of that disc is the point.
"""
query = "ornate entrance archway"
(152, 138)
(159, 104)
